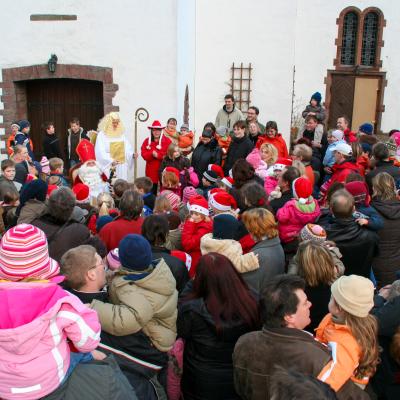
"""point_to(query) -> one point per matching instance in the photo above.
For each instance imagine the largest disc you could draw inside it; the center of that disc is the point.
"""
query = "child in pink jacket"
(38, 318)
(298, 212)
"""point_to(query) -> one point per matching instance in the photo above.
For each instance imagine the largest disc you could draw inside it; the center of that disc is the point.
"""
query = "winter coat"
(357, 244)
(345, 353)
(153, 163)
(270, 184)
(260, 166)
(271, 259)
(205, 154)
(21, 172)
(239, 148)
(177, 266)
(35, 354)
(73, 140)
(293, 216)
(278, 141)
(207, 365)
(387, 262)
(112, 233)
(179, 163)
(319, 296)
(278, 203)
(382, 166)
(51, 146)
(147, 303)
(350, 136)
(24, 139)
(192, 233)
(340, 173)
(228, 118)
(318, 110)
(32, 210)
(375, 221)
(232, 250)
(174, 239)
(61, 237)
(258, 353)
(7, 186)
(329, 158)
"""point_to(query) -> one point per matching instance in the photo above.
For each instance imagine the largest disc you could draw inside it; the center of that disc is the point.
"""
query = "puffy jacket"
(387, 262)
(205, 154)
(292, 217)
(239, 148)
(153, 163)
(345, 354)
(232, 250)
(192, 233)
(147, 304)
(340, 173)
(35, 354)
(278, 141)
(329, 159)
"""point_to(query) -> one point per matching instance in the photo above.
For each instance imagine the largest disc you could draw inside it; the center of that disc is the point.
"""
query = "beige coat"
(148, 304)
(232, 250)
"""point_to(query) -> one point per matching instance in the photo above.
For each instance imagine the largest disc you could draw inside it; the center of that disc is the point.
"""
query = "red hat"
(302, 189)
(85, 151)
(222, 201)
(281, 163)
(198, 204)
(185, 257)
(217, 169)
(359, 191)
(155, 125)
(81, 192)
(228, 181)
(173, 170)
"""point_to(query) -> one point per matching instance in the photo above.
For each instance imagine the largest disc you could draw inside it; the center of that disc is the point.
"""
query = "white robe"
(103, 157)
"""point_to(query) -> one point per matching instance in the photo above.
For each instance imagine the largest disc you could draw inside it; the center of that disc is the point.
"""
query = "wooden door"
(342, 97)
(59, 100)
(365, 101)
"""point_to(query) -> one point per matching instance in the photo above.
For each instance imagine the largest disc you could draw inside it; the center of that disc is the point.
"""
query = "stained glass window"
(369, 39)
(349, 41)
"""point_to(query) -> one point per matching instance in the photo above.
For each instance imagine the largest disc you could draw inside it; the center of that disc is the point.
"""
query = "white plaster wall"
(256, 32)
(316, 31)
(137, 38)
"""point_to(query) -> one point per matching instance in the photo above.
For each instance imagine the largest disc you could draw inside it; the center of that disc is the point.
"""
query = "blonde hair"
(272, 151)
(105, 124)
(105, 203)
(356, 149)
(260, 223)
(365, 331)
(55, 163)
(303, 151)
(171, 150)
(316, 264)
(162, 205)
(384, 187)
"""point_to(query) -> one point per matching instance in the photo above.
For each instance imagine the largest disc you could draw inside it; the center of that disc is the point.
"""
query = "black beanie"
(225, 226)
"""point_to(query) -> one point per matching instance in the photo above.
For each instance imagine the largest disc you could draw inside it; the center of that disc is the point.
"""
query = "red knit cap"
(217, 169)
(198, 204)
(173, 170)
(81, 192)
(222, 201)
(302, 189)
(359, 191)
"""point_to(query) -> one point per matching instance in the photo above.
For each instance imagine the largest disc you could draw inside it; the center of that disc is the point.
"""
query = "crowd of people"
(240, 267)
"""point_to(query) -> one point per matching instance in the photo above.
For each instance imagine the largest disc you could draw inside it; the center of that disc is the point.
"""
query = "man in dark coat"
(241, 146)
(282, 343)
(357, 244)
(380, 153)
(51, 143)
(206, 152)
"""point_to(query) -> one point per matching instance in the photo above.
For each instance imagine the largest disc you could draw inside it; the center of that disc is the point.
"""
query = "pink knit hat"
(44, 163)
(188, 192)
(113, 260)
(24, 254)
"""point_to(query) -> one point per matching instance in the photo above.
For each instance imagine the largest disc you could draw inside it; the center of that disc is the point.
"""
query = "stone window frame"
(14, 99)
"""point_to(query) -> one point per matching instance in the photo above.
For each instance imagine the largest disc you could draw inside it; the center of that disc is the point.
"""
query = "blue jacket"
(375, 221)
(329, 159)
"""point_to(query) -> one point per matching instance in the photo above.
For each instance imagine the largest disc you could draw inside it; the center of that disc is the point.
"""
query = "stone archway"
(14, 97)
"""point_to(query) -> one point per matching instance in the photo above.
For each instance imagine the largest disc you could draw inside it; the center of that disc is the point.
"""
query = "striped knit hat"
(24, 254)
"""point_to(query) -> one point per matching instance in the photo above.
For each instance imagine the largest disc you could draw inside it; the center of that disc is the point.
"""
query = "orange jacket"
(345, 350)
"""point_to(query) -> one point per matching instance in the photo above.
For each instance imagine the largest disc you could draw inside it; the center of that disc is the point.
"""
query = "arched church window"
(349, 39)
(369, 39)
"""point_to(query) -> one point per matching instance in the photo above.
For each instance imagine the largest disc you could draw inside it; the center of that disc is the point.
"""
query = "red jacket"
(153, 163)
(349, 136)
(278, 141)
(112, 233)
(340, 173)
(192, 232)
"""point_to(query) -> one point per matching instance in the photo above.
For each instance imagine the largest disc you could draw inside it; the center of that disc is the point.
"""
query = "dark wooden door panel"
(342, 97)
(59, 100)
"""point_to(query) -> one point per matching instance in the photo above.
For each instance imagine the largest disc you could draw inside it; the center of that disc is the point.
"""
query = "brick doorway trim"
(14, 92)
